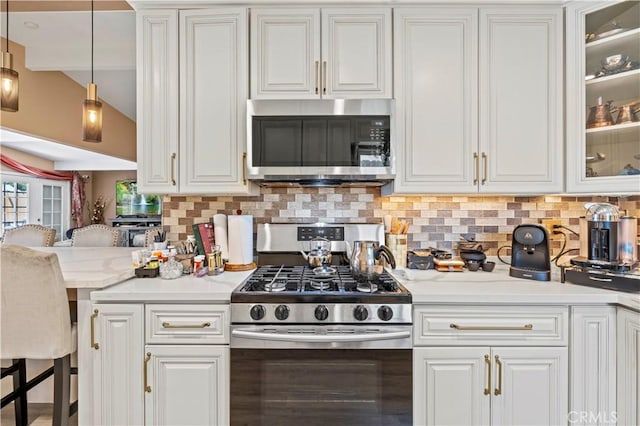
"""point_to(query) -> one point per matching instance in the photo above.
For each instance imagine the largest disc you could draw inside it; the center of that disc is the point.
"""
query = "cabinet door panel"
(449, 385)
(356, 45)
(157, 94)
(436, 122)
(213, 99)
(521, 99)
(593, 360)
(533, 389)
(285, 47)
(628, 367)
(188, 385)
(117, 374)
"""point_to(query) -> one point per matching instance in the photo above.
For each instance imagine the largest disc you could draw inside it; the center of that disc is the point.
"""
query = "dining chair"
(35, 325)
(30, 236)
(95, 236)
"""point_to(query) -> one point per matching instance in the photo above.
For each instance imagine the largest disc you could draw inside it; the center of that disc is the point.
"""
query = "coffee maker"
(607, 240)
(530, 257)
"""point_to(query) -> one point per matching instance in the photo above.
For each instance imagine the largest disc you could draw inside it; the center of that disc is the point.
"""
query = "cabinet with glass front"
(603, 97)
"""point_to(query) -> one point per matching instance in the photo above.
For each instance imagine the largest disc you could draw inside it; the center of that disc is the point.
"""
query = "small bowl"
(614, 62)
(488, 266)
(473, 265)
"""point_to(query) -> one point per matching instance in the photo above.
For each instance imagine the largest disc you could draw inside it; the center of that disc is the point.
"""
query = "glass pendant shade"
(8, 84)
(92, 116)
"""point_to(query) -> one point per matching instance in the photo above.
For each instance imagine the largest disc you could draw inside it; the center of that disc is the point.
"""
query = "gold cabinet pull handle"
(476, 166)
(95, 345)
(498, 390)
(169, 325)
(317, 72)
(244, 168)
(173, 169)
(147, 388)
(324, 77)
(526, 327)
(485, 165)
(487, 362)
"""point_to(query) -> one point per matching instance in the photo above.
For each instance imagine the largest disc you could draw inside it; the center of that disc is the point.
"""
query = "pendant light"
(9, 77)
(92, 107)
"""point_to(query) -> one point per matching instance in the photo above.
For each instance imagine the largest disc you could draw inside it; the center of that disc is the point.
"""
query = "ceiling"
(57, 37)
(64, 157)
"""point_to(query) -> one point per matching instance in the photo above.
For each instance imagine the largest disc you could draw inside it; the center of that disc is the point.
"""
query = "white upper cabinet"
(312, 53)
(192, 93)
(157, 100)
(436, 74)
(521, 107)
(465, 121)
(603, 91)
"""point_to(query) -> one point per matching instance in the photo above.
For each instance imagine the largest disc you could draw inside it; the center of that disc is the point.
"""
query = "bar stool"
(36, 325)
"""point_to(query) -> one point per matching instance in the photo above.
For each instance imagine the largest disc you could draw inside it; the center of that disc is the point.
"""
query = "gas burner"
(275, 286)
(324, 271)
(367, 287)
(320, 284)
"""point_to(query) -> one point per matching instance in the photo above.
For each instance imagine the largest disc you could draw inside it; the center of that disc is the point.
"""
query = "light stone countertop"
(425, 286)
(210, 289)
(93, 267)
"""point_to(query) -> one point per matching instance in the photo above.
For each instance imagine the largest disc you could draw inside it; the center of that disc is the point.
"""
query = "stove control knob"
(257, 312)
(321, 313)
(360, 313)
(385, 313)
(282, 312)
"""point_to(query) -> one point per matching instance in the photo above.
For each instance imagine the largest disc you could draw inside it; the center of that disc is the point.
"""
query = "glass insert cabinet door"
(603, 103)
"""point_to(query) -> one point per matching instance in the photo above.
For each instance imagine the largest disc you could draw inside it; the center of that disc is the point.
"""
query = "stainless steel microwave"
(320, 142)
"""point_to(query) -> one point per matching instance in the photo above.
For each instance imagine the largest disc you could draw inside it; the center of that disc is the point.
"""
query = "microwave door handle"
(312, 338)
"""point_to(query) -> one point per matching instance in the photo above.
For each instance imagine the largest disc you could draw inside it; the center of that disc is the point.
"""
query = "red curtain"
(77, 184)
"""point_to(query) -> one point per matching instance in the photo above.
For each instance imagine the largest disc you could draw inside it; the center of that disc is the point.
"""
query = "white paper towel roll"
(240, 229)
(220, 231)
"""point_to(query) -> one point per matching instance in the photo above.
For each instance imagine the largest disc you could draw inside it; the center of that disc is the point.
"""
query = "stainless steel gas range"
(309, 349)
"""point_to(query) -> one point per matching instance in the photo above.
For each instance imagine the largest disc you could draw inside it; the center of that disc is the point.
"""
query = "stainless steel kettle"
(366, 260)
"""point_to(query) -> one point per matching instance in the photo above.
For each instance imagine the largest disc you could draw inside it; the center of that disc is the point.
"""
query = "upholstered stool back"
(30, 236)
(35, 311)
(95, 236)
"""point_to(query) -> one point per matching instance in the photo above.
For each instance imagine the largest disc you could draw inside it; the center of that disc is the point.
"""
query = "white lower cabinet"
(488, 372)
(628, 412)
(174, 371)
(117, 339)
(186, 385)
(592, 394)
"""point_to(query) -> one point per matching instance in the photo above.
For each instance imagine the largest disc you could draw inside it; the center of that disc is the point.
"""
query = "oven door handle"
(314, 338)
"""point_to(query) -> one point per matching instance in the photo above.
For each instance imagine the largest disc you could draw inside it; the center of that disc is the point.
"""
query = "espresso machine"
(530, 253)
(608, 250)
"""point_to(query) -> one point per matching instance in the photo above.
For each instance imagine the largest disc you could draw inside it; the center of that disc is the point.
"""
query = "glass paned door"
(52, 208)
(612, 90)
(15, 204)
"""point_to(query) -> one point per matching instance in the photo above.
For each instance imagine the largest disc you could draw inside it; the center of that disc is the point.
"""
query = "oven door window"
(321, 387)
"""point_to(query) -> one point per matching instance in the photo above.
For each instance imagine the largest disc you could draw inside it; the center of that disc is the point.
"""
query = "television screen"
(130, 202)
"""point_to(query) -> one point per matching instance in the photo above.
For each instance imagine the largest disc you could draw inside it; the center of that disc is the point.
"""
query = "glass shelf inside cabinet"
(612, 90)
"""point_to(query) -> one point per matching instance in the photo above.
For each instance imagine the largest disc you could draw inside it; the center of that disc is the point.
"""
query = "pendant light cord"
(91, 40)
(7, 32)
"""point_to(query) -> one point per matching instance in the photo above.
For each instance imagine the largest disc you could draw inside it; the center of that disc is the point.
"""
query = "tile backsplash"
(435, 220)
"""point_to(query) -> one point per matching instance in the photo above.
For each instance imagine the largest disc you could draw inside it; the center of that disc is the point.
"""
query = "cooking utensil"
(600, 115)
(627, 113)
(367, 260)
(320, 254)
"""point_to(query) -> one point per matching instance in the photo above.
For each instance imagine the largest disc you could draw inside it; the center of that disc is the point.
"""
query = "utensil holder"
(397, 244)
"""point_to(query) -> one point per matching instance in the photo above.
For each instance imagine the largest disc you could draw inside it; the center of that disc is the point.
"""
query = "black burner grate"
(302, 279)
